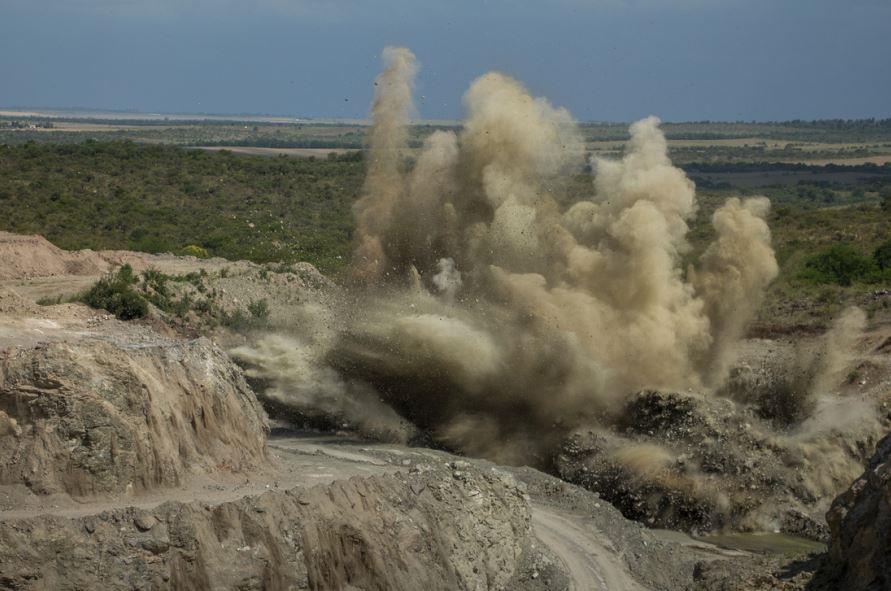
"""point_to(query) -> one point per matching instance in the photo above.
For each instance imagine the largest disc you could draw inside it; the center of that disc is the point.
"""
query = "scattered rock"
(697, 463)
(144, 522)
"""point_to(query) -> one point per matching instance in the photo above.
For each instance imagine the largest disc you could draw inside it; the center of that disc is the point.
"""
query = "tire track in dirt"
(590, 564)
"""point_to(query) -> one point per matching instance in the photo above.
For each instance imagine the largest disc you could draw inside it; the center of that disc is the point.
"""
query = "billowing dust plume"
(497, 320)
(387, 142)
(802, 391)
(298, 379)
(837, 350)
(827, 443)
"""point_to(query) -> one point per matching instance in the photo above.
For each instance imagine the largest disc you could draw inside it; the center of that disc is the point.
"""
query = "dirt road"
(589, 563)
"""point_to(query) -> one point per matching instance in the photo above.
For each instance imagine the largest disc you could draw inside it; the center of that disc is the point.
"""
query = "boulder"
(859, 519)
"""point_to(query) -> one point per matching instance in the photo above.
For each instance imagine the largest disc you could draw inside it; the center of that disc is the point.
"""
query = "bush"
(882, 256)
(115, 293)
(259, 309)
(256, 317)
(195, 251)
(237, 320)
(886, 199)
(841, 264)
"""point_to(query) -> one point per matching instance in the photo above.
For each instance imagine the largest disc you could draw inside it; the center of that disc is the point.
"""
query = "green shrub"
(204, 306)
(841, 264)
(195, 251)
(155, 281)
(259, 309)
(882, 256)
(256, 316)
(115, 293)
(886, 199)
(237, 320)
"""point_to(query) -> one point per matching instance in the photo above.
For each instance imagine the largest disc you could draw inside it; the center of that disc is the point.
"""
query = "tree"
(841, 264)
(886, 199)
(882, 256)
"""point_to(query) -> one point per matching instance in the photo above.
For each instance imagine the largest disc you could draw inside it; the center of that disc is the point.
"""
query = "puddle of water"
(765, 543)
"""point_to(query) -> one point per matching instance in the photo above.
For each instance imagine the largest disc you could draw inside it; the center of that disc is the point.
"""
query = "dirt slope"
(591, 565)
(34, 256)
(28, 257)
(684, 460)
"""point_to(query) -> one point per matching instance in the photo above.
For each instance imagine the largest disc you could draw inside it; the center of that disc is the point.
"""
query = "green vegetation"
(256, 317)
(196, 133)
(259, 309)
(693, 142)
(184, 301)
(122, 195)
(882, 256)
(155, 287)
(886, 199)
(115, 293)
(128, 297)
(195, 251)
(318, 134)
(842, 264)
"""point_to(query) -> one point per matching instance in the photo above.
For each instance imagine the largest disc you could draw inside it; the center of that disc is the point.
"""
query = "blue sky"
(605, 60)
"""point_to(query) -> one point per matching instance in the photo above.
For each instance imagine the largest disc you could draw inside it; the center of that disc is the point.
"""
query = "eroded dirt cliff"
(431, 528)
(91, 416)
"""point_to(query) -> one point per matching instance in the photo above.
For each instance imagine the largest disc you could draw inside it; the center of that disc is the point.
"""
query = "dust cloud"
(806, 395)
(496, 320)
(298, 378)
(837, 350)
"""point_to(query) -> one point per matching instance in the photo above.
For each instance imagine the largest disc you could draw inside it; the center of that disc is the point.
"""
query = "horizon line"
(87, 113)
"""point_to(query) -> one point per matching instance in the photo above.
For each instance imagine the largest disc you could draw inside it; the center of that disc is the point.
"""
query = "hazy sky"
(612, 60)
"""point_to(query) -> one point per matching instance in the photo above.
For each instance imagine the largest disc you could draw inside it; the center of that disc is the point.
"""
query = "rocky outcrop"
(436, 528)
(697, 462)
(860, 523)
(89, 416)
